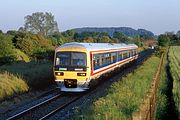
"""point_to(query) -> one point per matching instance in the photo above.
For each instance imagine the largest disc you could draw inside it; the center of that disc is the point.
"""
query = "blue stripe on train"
(107, 64)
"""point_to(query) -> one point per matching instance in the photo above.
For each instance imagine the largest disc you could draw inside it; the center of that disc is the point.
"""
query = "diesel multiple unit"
(77, 66)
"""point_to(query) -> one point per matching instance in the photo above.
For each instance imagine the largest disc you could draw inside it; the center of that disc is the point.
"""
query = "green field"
(174, 57)
(124, 97)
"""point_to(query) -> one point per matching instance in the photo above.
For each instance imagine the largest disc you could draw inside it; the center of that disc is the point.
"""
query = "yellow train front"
(72, 68)
(77, 65)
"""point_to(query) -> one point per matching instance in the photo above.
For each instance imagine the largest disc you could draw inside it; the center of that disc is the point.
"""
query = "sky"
(158, 16)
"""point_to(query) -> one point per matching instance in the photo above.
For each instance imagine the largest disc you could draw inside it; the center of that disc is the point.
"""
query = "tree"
(31, 44)
(7, 52)
(42, 23)
(104, 39)
(120, 36)
(163, 40)
(1, 31)
(89, 40)
(12, 32)
(56, 39)
(178, 34)
(138, 41)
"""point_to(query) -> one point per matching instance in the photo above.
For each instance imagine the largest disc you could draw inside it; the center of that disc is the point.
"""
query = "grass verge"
(174, 63)
(11, 84)
(162, 94)
(124, 97)
(37, 74)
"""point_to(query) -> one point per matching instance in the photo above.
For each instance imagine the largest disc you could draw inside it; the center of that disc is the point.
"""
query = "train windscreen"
(70, 59)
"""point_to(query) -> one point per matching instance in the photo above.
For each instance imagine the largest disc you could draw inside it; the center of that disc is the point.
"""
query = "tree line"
(40, 36)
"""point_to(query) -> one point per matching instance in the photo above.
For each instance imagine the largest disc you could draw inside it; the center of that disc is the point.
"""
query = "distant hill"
(110, 30)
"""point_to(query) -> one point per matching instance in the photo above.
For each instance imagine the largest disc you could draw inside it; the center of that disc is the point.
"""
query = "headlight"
(81, 74)
(59, 73)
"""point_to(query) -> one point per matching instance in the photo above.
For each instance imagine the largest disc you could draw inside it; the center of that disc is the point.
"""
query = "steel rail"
(18, 115)
(60, 107)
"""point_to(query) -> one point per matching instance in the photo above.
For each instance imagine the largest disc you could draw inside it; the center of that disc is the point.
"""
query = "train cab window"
(62, 58)
(70, 59)
(78, 59)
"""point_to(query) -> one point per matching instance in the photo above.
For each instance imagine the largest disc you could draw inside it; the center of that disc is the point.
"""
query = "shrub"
(7, 52)
(11, 85)
(21, 56)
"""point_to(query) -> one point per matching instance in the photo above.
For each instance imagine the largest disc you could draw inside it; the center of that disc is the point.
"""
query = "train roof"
(98, 46)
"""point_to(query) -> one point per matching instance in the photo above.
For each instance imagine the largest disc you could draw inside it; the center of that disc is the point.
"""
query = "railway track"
(32, 111)
(60, 101)
(20, 114)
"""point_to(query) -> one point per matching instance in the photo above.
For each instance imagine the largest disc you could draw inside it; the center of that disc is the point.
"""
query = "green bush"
(21, 56)
(7, 52)
(160, 50)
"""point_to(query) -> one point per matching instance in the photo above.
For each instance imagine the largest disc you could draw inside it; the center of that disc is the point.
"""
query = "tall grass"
(125, 96)
(162, 98)
(174, 58)
(37, 74)
(10, 85)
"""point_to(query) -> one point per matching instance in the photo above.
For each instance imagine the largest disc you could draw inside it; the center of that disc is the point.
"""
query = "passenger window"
(96, 62)
(125, 54)
(120, 56)
(114, 57)
(108, 58)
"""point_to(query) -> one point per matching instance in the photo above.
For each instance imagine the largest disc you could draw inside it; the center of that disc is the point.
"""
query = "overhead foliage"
(42, 23)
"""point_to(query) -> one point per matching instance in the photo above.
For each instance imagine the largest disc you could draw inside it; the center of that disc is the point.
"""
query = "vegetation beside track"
(36, 74)
(162, 94)
(125, 96)
(168, 101)
(11, 85)
(174, 63)
(24, 76)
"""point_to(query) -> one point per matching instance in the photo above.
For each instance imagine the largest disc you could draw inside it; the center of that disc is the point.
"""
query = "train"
(77, 66)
